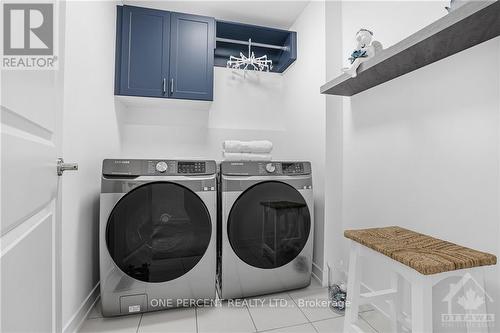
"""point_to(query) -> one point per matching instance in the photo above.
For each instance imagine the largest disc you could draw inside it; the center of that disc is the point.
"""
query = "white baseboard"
(317, 273)
(76, 320)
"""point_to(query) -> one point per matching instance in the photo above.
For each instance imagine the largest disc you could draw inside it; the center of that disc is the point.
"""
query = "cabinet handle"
(164, 85)
(172, 85)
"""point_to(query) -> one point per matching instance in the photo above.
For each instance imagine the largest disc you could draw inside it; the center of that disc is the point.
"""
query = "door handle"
(164, 85)
(61, 166)
(172, 85)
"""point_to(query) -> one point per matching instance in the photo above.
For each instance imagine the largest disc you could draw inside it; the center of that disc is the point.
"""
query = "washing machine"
(266, 227)
(157, 234)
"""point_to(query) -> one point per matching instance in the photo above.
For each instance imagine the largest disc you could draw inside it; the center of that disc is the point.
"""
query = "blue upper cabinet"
(145, 47)
(192, 56)
(164, 54)
(172, 55)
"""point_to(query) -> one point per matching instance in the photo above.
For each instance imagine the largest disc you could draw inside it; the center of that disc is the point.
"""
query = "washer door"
(269, 224)
(158, 232)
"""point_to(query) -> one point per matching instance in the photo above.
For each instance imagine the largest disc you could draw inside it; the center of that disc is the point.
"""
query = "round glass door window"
(158, 232)
(269, 224)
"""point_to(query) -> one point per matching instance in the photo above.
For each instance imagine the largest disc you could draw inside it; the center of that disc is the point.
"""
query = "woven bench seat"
(425, 254)
(420, 260)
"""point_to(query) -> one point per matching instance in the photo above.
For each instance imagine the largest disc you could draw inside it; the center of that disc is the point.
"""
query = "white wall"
(90, 134)
(243, 108)
(334, 146)
(305, 110)
(421, 151)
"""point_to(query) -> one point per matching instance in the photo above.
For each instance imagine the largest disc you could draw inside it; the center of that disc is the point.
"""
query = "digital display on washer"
(290, 168)
(191, 167)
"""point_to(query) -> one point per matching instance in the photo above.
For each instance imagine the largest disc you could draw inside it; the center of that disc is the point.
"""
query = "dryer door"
(269, 224)
(158, 232)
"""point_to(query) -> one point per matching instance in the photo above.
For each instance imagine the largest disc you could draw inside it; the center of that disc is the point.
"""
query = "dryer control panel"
(195, 167)
(264, 168)
(136, 168)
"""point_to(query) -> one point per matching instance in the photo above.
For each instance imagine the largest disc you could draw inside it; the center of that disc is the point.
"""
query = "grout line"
(366, 321)
(139, 324)
(360, 318)
(310, 322)
(298, 307)
(314, 328)
(279, 328)
(253, 322)
(319, 320)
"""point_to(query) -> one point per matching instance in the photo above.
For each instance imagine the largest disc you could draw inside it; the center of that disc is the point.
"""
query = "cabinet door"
(145, 37)
(192, 57)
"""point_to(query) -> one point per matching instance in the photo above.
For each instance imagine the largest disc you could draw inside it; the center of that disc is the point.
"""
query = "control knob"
(161, 166)
(270, 167)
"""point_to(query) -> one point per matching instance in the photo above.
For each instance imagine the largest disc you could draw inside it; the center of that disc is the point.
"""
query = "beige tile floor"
(298, 316)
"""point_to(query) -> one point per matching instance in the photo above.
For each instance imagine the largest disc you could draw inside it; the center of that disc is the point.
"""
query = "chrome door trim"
(241, 183)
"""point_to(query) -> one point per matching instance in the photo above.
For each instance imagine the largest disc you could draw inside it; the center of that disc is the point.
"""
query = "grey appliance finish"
(179, 272)
(242, 275)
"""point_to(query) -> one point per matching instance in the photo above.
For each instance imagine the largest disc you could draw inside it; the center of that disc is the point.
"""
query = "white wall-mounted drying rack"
(279, 46)
(244, 62)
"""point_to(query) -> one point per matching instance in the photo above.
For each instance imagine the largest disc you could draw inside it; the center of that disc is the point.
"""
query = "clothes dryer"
(266, 227)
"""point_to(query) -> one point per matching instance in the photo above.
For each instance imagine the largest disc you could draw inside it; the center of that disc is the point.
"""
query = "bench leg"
(478, 275)
(421, 305)
(353, 288)
(395, 304)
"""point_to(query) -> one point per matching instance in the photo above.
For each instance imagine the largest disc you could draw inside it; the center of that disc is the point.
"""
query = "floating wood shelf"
(469, 25)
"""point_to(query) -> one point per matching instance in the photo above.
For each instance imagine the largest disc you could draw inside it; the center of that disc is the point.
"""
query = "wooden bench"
(421, 260)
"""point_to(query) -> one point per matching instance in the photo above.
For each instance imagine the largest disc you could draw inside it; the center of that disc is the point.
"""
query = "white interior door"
(31, 120)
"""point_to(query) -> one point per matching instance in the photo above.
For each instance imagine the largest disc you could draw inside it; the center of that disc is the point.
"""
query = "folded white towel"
(258, 146)
(246, 157)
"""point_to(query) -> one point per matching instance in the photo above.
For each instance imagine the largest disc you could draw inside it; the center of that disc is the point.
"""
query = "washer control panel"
(270, 167)
(161, 166)
(158, 167)
(135, 168)
(257, 168)
(191, 167)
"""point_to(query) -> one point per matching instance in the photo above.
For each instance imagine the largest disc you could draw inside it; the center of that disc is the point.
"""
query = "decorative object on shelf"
(365, 49)
(243, 62)
(454, 4)
(459, 30)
